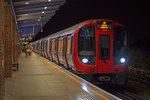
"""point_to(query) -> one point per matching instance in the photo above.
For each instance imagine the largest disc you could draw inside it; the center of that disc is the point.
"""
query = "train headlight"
(122, 60)
(85, 60)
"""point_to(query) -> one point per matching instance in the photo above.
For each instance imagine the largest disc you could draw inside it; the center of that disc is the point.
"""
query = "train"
(97, 48)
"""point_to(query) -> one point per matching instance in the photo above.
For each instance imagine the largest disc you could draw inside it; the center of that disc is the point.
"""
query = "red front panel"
(104, 58)
(105, 61)
(79, 65)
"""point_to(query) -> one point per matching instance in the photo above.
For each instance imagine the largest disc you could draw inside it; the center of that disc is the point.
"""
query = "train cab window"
(119, 41)
(86, 44)
(119, 44)
(86, 41)
(68, 46)
(104, 47)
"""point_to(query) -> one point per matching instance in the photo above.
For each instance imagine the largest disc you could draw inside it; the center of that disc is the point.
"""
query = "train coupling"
(104, 78)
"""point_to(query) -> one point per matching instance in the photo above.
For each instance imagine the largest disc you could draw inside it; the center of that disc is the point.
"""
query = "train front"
(102, 51)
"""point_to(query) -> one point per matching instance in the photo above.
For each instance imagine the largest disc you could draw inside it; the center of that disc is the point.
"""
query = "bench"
(15, 65)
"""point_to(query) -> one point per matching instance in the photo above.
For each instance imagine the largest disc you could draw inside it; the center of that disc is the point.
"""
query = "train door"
(69, 52)
(53, 49)
(44, 48)
(50, 49)
(56, 51)
(60, 50)
(47, 48)
(64, 52)
(46, 53)
(104, 37)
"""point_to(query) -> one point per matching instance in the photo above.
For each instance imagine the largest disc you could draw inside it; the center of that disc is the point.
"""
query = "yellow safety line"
(78, 81)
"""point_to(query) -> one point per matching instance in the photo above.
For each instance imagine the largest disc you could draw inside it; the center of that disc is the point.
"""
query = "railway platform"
(39, 79)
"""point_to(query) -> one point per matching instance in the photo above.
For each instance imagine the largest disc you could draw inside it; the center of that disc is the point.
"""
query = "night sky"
(134, 14)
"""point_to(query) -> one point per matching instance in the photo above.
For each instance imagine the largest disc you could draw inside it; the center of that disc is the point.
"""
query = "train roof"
(73, 28)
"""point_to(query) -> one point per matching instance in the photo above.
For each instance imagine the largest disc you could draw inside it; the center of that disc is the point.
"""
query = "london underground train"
(96, 48)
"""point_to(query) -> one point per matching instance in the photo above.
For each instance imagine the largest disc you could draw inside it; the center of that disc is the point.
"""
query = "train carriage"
(95, 47)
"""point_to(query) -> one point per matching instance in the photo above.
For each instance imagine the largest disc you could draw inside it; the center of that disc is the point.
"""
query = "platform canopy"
(31, 15)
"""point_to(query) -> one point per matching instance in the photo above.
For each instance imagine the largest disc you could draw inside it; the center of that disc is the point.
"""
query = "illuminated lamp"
(122, 60)
(85, 60)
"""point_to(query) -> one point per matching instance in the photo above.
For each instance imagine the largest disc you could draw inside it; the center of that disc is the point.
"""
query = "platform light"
(39, 19)
(122, 60)
(49, 0)
(43, 12)
(85, 60)
(26, 3)
(45, 7)
(26, 14)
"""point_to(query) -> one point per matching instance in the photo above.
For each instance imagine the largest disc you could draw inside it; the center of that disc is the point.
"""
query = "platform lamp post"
(33, 31)
(40, 19)
(41, 27)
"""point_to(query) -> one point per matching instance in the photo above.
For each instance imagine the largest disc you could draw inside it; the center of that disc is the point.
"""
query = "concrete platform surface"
(40, 79)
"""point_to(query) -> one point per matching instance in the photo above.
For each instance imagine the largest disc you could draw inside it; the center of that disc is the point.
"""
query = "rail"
(139, 76)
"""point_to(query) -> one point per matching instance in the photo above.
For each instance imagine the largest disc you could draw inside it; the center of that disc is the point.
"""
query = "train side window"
(56, 45)
(59, 46)
(71, 44)
(86, 41)
(53, 45)
(68, 46)
(46, 45)
(42, 46)
(65, 45)
(50, 45)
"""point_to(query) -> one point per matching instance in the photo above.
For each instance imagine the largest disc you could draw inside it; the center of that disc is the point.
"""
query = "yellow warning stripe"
(78, 81)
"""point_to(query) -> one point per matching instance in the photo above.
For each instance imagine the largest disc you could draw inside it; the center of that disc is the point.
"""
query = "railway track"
(121, 92)
(126, 95)
(139, 77)
(138, 84)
